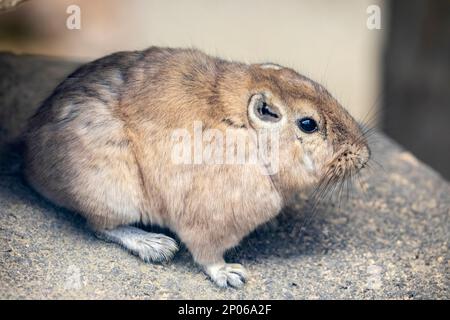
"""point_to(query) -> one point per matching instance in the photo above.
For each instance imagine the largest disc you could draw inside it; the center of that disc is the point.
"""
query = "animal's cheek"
(329, 152)
(321, 155)
(308, 163)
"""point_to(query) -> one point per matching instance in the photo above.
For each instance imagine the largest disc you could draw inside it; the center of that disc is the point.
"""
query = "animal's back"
(77, 150)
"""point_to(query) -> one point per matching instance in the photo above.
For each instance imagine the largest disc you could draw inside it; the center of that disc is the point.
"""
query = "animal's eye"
(307, 125)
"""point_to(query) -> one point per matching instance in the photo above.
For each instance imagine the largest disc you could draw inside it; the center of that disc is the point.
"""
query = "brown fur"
(100, 145)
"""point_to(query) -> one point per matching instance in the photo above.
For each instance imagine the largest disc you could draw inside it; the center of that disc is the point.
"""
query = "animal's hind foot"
(150, 247)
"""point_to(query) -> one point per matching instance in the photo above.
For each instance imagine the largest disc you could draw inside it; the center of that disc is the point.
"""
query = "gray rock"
(387, 239)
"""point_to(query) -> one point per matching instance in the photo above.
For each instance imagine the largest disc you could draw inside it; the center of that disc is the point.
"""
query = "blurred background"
(396, 77)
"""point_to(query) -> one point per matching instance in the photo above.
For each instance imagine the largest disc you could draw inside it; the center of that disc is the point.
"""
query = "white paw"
(227, 274)
(154, 247)
(148, 246)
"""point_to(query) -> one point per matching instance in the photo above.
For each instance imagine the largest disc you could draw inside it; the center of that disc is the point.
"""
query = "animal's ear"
(262, 113)
(272, 66)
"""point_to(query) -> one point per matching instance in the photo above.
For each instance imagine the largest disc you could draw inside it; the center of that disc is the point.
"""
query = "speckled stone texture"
(388, 239)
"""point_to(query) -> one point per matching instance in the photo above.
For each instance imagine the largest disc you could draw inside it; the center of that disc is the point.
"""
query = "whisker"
(320, 193)
(363, 191)
(379, 165)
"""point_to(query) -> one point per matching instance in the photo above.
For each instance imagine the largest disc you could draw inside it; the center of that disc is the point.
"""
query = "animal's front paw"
(227, 274)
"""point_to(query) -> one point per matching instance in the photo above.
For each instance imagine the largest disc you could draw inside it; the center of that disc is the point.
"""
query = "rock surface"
(387, 239)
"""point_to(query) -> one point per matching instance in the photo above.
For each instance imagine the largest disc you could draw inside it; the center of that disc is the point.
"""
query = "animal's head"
(319, 141)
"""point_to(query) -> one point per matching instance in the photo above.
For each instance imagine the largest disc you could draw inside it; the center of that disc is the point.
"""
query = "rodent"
(101, 146)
